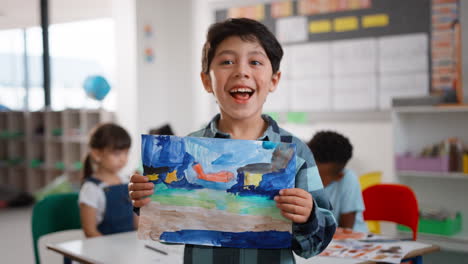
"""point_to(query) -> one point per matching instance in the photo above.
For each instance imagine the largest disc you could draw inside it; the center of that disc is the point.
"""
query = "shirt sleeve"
(90, 195)
(351, 199)
(312, 237)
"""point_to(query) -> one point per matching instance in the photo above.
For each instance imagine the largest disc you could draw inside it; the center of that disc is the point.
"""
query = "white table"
(126, 248)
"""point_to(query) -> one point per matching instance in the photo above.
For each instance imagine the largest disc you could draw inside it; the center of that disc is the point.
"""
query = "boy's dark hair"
(329, 146)
(247, 30)
(163, 130)
(106, 136)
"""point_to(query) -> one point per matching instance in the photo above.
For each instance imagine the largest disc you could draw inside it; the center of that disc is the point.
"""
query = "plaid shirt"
(309, 239)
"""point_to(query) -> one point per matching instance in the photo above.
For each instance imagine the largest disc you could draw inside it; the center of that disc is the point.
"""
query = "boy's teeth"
(241, 90)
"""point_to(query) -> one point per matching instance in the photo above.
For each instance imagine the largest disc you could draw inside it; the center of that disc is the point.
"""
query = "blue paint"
(271, 182)
(225, 159)
(269, 144)
(265, 239)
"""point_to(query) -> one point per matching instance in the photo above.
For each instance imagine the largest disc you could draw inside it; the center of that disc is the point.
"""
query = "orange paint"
(222, 176)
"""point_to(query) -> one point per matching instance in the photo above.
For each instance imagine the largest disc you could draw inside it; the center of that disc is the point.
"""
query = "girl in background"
(105, 206)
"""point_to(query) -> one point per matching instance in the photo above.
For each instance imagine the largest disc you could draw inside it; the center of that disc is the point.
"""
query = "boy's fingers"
(294, 209)
(137, 178)
(291, 200)
(140, 194)
(140, 186)
(295, 192)
(141, 203)
(295, 218)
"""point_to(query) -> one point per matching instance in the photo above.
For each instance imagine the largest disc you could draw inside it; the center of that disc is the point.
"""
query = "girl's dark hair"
(329, 146)
(247, 30)
(105, 136)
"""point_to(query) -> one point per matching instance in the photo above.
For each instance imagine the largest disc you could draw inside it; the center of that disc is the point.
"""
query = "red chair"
(392, 202)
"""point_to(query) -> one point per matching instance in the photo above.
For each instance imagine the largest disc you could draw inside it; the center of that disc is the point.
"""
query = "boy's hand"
(295, 204)
(139, 189)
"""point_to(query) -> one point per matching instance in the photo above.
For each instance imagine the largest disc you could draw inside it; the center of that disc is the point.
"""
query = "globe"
(96, 87)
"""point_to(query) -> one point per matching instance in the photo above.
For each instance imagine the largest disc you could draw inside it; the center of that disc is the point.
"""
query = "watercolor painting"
(216, 192)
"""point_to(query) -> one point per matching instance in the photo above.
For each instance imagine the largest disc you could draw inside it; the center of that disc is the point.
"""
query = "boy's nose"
(242, 71)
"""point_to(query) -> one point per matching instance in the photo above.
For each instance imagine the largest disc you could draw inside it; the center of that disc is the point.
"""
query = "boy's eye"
(227, 62)
(254, 62)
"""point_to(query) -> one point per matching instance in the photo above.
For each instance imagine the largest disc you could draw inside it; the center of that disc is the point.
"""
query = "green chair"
(56, 212)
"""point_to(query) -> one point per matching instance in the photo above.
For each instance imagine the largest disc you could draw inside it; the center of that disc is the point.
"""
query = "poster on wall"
(408, 38)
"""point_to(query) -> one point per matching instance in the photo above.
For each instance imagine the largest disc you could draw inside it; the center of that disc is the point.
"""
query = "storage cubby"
(73, 159)
(18, 177)
(36, 125)
(36, 178)
(92, 120)
(53, 124)
(37, 147)
(72, 124)
(15, 124)
(4, 179)
(436, 187)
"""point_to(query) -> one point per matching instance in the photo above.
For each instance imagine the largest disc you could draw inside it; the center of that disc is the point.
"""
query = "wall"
(25, 13)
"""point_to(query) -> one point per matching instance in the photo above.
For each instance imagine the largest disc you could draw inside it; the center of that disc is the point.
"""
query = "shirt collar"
(272, 133)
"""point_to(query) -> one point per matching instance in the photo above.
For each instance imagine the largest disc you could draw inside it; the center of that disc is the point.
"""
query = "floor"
(16, 239)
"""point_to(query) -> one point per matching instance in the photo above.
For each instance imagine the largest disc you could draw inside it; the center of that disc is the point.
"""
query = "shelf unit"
(416, 128)
(37, 147)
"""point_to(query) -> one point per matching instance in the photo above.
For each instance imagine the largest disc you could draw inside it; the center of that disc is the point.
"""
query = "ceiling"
(25, 13)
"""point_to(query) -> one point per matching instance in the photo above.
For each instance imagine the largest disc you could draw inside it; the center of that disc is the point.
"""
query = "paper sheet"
(402, 85)
(355, 56)
(217, 192)
(292, 29)
(311, 94)
(358, 92)
(404, 53)
(311, 60)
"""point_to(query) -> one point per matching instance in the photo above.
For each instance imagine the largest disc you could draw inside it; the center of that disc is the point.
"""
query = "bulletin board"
(358, 54)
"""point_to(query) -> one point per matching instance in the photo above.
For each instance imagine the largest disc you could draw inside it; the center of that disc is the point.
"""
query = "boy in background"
(332, 151)
(240, 67)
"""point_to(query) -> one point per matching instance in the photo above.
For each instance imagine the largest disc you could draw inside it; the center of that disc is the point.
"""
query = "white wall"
(372, 143)
(26, 13)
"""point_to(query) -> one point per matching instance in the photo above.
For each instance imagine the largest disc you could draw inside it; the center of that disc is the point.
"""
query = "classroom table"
(127, 248)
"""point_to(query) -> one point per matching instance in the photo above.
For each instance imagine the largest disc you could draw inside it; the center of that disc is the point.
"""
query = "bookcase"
(37, 147)
(416, 128)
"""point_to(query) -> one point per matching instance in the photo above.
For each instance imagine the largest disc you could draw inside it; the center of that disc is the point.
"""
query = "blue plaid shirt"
(309, 239)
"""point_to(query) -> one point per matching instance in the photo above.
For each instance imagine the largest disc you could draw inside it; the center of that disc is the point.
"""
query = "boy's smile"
(240, 78)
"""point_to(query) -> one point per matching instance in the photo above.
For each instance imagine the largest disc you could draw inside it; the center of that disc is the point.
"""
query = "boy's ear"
(206, 80)
(340, 175)
(275, 78)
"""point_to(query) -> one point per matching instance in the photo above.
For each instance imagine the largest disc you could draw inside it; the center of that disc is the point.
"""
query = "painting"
(217, 192)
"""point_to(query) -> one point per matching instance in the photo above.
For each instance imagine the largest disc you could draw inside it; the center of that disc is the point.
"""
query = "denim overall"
(118, 216)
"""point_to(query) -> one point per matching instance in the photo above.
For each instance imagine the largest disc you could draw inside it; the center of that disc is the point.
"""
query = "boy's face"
(330, 172)
(240, 78)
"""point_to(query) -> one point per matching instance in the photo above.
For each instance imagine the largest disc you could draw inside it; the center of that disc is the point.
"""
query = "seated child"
(105, 207)
(240, 67)
(331, 152)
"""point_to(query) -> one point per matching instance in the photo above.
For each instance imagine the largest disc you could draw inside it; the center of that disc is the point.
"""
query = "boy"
(240, 67)
(331, 152)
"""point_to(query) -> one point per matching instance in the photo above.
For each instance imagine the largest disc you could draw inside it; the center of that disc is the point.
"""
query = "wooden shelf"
(431, 174)
(50, 136)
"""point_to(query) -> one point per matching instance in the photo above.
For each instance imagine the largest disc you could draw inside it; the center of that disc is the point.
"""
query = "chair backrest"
(369, 179)
(56, 212)
(392, 202)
